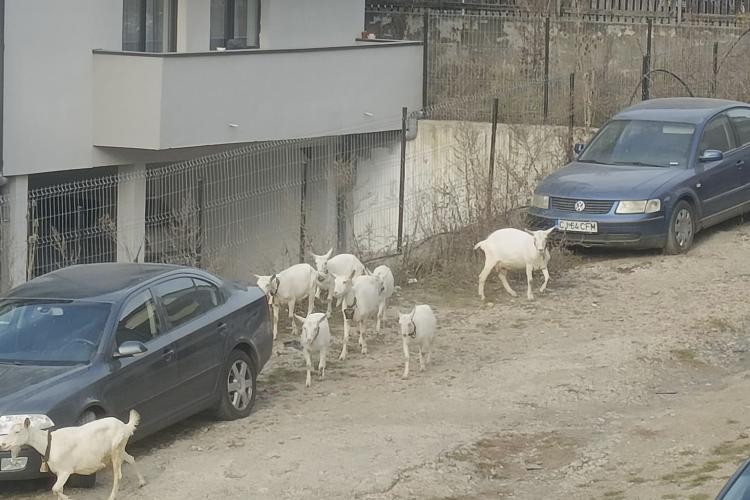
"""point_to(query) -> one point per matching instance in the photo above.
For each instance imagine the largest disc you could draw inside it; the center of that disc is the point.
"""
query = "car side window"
(740, 120)
(186, 298)
(717, 135)
(138, 320)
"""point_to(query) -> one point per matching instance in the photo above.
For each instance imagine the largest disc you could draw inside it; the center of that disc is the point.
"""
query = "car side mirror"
(578, 148)
(711, 155)
(129, 349)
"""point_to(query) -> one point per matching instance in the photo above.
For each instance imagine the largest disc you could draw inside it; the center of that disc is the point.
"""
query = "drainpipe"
(3, 179)
(412, 123)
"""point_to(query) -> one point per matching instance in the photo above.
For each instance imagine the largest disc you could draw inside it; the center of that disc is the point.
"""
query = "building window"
(235, 24)
(149, 25)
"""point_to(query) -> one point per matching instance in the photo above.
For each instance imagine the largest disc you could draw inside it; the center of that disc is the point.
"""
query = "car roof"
(90, 281)
(693, 110)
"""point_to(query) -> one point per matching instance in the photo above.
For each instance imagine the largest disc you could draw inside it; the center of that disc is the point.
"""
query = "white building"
(101, 87)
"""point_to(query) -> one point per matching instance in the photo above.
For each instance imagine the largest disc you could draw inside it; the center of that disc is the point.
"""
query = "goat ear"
(26, 423)
(546, 233)
(329, 253)
(299, 318)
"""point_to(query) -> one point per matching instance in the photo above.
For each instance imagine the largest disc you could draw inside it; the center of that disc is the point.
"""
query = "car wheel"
(89, 481)
(681, 229)
(237, 387)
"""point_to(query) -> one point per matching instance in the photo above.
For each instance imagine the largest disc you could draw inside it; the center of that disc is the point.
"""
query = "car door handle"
(167, 355)
(221, 327)
(740, 163)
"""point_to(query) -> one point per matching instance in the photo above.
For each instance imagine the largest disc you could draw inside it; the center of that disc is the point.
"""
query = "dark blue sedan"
(97, 340)
(652, 177)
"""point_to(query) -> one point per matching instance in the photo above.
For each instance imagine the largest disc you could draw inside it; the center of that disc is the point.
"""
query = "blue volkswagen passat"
(652, 177)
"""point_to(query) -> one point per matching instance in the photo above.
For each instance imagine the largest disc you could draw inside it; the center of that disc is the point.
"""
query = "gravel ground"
(627, 379)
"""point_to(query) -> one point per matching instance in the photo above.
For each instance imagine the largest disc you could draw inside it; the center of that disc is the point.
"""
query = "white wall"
(268, 95)
(310, 23)
(47, 119)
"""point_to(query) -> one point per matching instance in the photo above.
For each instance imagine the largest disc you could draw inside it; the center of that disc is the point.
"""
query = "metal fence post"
(646, 69)
(402, 179)
(425, 56)
(546, 68)
(199, 234)
(715, 68)
(491, 173)
(303, 209)
(572, 117)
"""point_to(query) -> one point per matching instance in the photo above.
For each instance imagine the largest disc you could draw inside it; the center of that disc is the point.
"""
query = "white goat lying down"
(329, 267)
(78, 450)
(315, 337)
(293, 284)
(420, 325)
(389, 285)
(511, 249)
(360, 301)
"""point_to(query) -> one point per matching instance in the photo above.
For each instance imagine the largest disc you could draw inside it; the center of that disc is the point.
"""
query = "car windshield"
(641, 143)
(50, 332)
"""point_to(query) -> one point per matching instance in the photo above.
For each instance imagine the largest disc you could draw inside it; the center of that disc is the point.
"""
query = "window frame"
(171, 32)
(737, 138)
(169, 326)
(230, 21)
(732, 135)
(160, 317)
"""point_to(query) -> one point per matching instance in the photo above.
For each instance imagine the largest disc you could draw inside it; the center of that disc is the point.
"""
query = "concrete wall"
(268, 95)
(446, 177)
(305, 23)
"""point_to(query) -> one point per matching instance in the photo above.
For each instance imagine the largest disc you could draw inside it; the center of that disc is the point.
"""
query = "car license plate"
(576, 226)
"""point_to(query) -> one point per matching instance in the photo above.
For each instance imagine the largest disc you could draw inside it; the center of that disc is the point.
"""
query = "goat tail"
(479, 245)
(135, 419)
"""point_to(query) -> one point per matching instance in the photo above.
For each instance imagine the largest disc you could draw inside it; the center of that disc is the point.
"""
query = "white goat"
(360, 301)
(329, 267)
(510, 249)
(78, 450)
(420, 324)
(315, 337)
(292, 285)
(389, 285)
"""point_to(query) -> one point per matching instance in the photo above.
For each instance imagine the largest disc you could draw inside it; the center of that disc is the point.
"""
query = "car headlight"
(38, 421)
(540, 201)
(638, 207)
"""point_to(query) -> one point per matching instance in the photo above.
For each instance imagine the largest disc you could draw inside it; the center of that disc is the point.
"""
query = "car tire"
(77, 481)
(681, 231)
(237, 378)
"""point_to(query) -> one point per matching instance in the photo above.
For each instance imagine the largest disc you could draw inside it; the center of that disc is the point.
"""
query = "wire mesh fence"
(473, 54)
(263, 207)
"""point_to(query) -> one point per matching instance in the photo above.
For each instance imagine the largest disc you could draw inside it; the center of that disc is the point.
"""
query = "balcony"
(177, 100)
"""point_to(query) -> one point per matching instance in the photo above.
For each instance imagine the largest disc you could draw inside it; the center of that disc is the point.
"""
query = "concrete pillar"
(15, 258)
(131, 213)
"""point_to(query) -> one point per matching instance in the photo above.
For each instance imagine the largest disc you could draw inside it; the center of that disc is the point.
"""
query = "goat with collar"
(78, 450)
(360, 301)
(421, 326)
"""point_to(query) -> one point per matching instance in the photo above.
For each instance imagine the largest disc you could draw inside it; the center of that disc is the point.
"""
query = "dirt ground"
(626, 380)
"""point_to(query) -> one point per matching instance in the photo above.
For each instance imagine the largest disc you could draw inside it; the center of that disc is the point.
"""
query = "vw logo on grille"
(580, 206)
